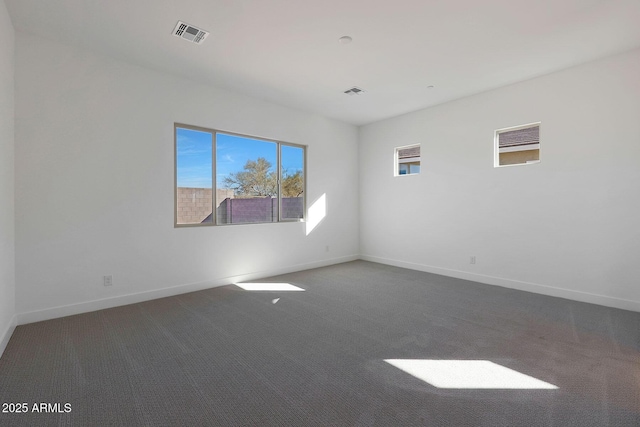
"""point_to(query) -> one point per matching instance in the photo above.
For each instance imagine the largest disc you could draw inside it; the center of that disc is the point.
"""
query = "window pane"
(518, 146)
(194, 176)
(247, 180)
(292, 184)
(408, 160)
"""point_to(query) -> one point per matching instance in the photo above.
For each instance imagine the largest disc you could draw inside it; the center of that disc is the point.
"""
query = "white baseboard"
(514, 284)
(87, 306)
(6, 335)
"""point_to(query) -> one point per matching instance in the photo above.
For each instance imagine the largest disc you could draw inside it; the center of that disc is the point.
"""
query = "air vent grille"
(189, 32)
(354, 91)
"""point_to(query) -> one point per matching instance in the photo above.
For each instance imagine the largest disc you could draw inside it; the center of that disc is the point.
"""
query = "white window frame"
(214, 133)
(496, 146)
(397, 160)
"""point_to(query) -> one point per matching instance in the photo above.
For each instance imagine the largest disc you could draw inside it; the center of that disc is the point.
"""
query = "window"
(194, 176)
(519, 145)
(225, 178)
(407, 160)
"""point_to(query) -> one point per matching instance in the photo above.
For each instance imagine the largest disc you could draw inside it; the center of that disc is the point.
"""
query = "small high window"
(519, 145)
(407, 160)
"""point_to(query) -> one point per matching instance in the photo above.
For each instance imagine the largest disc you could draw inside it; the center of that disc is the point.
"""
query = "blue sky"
(194, 156)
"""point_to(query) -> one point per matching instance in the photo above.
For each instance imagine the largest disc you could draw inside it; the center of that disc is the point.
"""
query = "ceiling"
(287, 51)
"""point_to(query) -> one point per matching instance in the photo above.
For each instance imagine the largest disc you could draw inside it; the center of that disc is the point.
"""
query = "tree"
(292, 185)
(257, 180)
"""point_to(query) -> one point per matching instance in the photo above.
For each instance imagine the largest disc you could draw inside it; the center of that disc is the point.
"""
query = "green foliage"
(292, 185)
(256, 180)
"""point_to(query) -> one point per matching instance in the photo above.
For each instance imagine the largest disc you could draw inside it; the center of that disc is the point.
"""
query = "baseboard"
(87, 306)
(513, 284)
(6, 336)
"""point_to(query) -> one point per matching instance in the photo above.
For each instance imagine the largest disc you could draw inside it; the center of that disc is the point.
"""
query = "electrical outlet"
(108, 280)
(472, 259)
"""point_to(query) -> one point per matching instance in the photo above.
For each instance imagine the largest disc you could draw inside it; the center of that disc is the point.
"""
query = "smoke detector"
(189, 32)
(354, 91)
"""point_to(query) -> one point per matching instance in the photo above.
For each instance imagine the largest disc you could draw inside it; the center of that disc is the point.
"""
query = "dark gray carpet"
(228, 357)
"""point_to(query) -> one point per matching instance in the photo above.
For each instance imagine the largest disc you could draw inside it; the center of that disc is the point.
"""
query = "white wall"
(567, 226)
(7, 233)
(94, 186)
(95, 178)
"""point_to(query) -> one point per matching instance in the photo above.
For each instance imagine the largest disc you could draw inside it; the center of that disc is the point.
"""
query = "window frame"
(496, 145)
(396, 160)
(214, 133)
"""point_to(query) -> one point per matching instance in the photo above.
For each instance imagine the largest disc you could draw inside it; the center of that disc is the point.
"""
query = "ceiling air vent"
(354, 91)
(189, 32)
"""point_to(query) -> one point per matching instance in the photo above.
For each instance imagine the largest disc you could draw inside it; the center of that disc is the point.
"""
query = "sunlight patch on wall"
(468, 374)
(269, 287)
(317, 212)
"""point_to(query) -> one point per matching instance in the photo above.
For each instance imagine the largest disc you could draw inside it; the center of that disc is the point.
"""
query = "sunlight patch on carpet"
(269, 287)
(468, 374)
